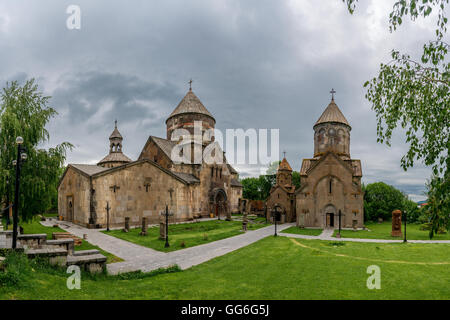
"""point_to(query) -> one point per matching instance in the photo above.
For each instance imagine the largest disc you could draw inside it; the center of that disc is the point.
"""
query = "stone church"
(144, 187)
(282, 194)
(331, 180)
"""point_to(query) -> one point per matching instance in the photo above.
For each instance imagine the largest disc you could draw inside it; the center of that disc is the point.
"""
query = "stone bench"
(85, 252)
(66, 235)
(7, 233)
(67, 244)
(32, 240)
(55, 256)
(93, 263)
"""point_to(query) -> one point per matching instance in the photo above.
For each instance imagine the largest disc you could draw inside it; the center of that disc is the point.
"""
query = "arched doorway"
(330, 216)
(218, 199)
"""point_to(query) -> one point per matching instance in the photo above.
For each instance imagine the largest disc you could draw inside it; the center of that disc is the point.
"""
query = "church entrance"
(219, 203)
(70, 208)
(330, 219)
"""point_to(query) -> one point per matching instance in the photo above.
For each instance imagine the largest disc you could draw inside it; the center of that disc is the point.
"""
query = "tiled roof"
(115, 157)
(332, 114)
(89, 169)
(189, 178)
(190, 104)
(235, 183)
(165, 145)
(232, 170)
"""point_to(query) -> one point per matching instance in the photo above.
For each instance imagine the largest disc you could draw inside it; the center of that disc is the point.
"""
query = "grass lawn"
(191, 234)
(383, 231)
(272, 268)
(308, 232)
(35, 227)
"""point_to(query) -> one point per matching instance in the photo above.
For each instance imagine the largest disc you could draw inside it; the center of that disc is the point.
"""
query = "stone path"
(145, 259)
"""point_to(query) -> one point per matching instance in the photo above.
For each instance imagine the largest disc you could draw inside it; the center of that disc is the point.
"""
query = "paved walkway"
(145, 259)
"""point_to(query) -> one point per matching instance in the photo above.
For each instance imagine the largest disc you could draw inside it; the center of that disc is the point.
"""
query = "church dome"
(332, 114)
(190, 104)
(284, 165)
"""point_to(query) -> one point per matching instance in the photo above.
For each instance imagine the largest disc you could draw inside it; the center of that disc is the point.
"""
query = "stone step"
(93, 263)
(85, 252)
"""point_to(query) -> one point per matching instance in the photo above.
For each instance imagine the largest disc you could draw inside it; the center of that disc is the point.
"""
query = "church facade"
(330, 181)
(117, 187)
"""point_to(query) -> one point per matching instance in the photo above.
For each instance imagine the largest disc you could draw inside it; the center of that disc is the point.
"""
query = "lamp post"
(275, 216)
(404, 238)
(21, 156)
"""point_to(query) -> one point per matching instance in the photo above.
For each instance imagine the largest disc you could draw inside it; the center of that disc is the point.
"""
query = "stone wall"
(75, 185)
(314, 199)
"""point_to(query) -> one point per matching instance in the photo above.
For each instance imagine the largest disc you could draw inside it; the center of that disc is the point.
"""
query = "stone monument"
(396, 223)
(144, 227)
(127, 224)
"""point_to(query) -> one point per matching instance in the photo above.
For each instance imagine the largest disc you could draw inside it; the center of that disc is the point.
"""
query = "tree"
(296, 179)
(24, 112)
(415, 94)
(380, 200)
(251, 188)
(438, 205)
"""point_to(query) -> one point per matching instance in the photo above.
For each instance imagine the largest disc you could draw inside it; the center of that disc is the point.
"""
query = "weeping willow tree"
(24, 111)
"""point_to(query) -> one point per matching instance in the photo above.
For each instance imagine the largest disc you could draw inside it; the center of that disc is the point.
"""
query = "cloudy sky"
(255, 64)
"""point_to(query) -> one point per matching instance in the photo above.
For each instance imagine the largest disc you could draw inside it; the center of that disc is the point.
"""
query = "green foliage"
(381, 199)
(296, 179)
(24, 112)
(259, 188)
(141, 275)
(438, 206)
(415, 94)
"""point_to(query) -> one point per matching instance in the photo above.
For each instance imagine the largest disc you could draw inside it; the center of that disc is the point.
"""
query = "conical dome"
(332, 114)
(190, 104)
(284, 165)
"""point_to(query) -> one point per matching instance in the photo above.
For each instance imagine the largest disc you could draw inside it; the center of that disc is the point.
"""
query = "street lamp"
(275, 216)
(21, 157)
(339, 234)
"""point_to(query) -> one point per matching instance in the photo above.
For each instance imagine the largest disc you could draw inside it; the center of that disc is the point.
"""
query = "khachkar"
(396, 223)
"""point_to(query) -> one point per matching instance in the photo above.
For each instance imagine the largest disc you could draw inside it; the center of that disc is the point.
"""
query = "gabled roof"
(352, 165)
(190, 104)
(332, 114)
(95, 171)
(165, 145)
(88, 169)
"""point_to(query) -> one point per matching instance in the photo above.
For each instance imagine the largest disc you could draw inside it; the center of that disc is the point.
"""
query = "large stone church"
(331, 180)
(143, 188)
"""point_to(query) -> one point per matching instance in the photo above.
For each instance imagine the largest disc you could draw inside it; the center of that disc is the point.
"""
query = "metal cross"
(332, 93)
(284, 154)
(190, 85)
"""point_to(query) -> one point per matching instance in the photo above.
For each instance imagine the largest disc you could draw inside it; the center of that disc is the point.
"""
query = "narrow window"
(212, 172)
(330, 185)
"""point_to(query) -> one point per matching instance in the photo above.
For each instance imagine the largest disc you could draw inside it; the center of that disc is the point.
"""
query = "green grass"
(191, 234)
(273, 268)
(383, 231)
(35, 227)
(308, 232)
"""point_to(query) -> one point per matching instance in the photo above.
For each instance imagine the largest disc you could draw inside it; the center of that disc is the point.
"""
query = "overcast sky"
(255, 64)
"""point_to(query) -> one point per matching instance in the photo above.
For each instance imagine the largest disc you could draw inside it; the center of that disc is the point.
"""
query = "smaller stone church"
(331, 180)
